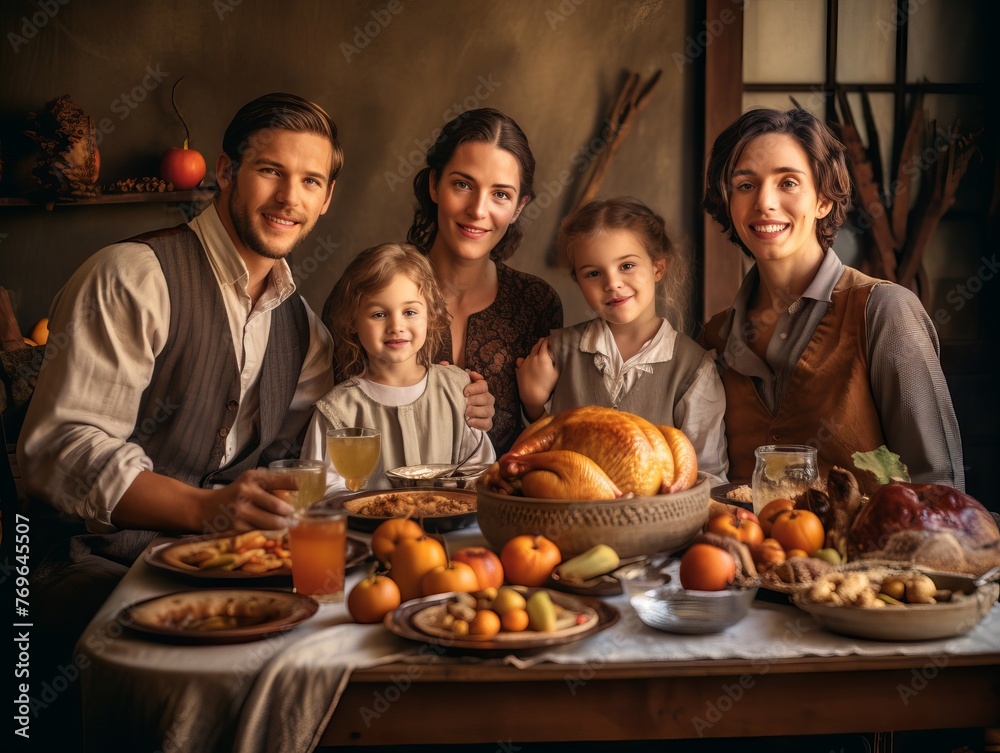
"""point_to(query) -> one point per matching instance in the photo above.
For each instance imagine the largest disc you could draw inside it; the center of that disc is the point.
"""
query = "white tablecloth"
(277, 695)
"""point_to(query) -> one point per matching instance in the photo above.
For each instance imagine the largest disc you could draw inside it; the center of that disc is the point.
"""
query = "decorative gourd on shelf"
(184, 167)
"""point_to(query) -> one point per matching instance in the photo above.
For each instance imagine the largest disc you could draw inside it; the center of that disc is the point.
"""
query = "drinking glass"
(354, 452)
(318, 543)
(310, 481)
(782, 471)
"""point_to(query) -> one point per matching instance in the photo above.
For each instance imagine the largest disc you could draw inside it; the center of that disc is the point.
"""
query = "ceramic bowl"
(408, 476)
(632, 527)
(677, 610)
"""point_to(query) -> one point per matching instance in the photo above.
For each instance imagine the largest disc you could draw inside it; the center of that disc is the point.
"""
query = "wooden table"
(399, 704)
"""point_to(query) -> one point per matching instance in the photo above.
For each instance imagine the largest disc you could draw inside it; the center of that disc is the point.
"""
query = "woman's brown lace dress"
(526, 308)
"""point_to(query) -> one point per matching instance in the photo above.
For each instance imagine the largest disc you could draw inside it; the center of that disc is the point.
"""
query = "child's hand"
(536, 378)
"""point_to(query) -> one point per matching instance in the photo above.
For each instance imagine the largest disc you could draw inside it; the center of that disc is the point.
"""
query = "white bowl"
(678, 610)
(407, 476)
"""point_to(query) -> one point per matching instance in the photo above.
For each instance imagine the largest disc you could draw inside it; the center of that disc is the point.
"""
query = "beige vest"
(428, 430)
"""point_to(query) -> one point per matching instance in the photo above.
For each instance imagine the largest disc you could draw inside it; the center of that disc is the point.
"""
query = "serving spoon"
(450, 471)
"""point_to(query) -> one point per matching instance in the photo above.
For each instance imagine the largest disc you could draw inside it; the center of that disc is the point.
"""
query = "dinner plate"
(407, 621)
(431, 523)
(913, 622)
(164, 557)
(218, 615)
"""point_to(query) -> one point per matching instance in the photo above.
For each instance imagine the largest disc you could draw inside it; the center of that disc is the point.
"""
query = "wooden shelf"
(139, 197)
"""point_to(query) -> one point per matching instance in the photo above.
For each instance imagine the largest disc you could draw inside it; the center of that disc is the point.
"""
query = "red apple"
(486, 565)
(183, 167)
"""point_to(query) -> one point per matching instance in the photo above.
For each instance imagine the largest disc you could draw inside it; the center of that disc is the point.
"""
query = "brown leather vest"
(829, 403)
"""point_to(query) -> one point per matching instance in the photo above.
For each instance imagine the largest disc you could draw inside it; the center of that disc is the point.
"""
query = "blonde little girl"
(628, 357)
(387, 322)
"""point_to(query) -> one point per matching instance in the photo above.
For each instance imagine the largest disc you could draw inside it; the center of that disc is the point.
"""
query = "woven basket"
(632, 527)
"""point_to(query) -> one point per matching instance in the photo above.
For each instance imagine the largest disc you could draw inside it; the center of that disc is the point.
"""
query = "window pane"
(812, 101)
(784, 40)
(946, 46)
(866, 41)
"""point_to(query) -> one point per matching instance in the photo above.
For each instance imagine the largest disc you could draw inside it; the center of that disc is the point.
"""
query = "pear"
(597, 560)
(828, 555)
(506, 600)
(541, 612)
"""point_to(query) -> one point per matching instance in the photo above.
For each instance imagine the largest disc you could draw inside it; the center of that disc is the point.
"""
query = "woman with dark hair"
(813, 352)
(470, 197)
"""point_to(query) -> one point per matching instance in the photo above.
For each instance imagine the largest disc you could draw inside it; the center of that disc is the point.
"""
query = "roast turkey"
(593, 453)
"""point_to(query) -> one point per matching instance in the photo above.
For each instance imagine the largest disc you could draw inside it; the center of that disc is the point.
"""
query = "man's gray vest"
(189, 407)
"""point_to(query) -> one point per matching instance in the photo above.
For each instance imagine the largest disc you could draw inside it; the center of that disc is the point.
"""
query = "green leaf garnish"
(884, 465)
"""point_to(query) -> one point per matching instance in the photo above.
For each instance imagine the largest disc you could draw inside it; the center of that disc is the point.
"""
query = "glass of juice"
(318, 542)
(354, 452)
(308, 477)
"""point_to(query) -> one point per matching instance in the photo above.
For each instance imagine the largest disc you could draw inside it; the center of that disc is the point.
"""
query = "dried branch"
(947, 173)
(631, 100)
(874, 148)
(908, 169)
(869, 196)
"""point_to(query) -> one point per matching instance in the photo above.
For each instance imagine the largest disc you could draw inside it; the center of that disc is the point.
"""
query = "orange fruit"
(40, 332)
(514, 620)
(484, 625)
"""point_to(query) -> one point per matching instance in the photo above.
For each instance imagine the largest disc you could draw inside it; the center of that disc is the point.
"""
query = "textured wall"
(391, 73)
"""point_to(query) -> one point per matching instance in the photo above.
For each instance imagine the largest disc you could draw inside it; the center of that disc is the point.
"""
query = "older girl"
(388, 321)
(628, 357)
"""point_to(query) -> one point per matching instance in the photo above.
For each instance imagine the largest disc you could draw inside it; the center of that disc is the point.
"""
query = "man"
(188, 360)
(178, 363)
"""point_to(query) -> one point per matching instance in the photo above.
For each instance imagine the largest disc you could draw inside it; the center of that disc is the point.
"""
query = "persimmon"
(770, 511)
(454, 576)
(411, 560)
(707, 568)
(741, 529)
(390, 533)
(373, 598)
(529, 560)
(798, 529)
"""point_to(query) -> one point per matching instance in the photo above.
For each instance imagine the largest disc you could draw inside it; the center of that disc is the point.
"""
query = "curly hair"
(283, 112)
(648, 228)
(368, 273)
(487, 126)
(827, 157)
